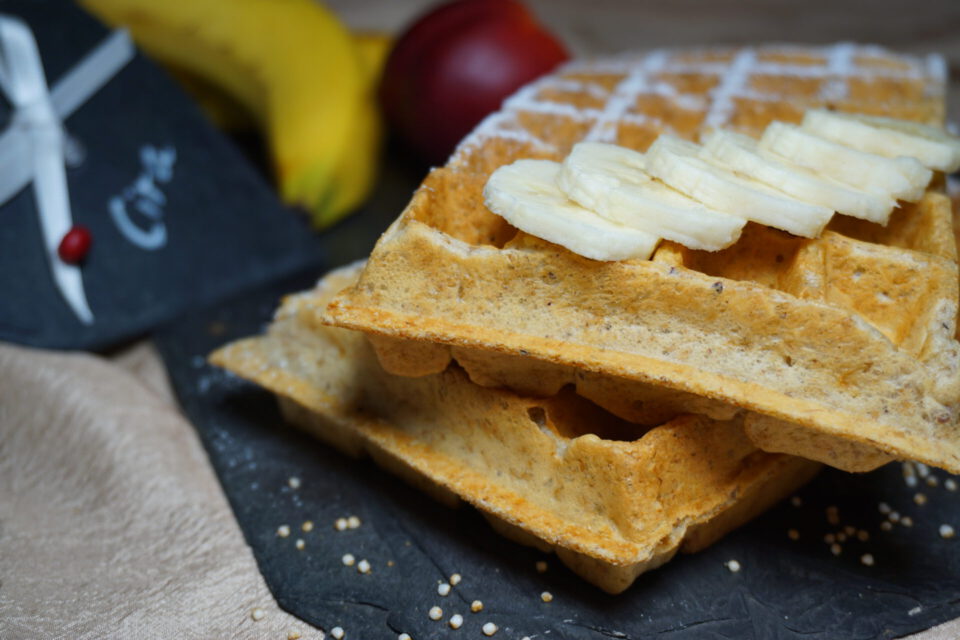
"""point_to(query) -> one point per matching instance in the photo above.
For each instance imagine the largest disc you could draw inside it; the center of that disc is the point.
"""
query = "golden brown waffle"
(557, 473)
(840, 349)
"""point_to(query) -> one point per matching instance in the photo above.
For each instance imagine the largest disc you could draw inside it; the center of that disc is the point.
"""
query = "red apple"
(456, 64)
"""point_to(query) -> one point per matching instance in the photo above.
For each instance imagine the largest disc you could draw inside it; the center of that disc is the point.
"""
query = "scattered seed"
(833, 515)
(894, 516)
(340, 524)
(884, 508)
(541, 566)
(489, 629)
(257, 614)
(836, 549)
(863, 535)
(920, 499)
(353, 522)
(829, 538)
(338, 633)
(300, 544)
(546, 596)
(476, 606)
(886, 525)
(910, 481)
(456, 621)
(793, 534)
(850, 530)
(950, 484)
(293, 634)
(307, 526)
(435, 613)
(283, 531)
(294, 482)
(390, 563)
(348, 559)
(404, 636)
(932, 481)
(946, 531)
(914, 611)
(363, 566)
(443, 589)
(796, 501)
(455, 579)
(841, 537)
(906, 521)
(867, 559)
(732, 565)
(923, 470)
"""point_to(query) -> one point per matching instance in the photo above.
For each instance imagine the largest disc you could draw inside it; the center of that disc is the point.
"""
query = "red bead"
(75, 245)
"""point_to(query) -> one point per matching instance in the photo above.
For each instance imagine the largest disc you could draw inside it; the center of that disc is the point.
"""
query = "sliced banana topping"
(611, 180)
(932, 147)
(527, 196)
(741, 154)
(901, 177)
(677, 163)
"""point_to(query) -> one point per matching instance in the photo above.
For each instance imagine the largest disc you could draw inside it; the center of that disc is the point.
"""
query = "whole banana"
(294, 67)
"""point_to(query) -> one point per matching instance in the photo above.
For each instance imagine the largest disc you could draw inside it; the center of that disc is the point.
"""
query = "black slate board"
(785, 589)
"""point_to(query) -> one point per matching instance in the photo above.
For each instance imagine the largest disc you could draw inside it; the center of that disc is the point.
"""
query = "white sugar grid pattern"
(835, 65)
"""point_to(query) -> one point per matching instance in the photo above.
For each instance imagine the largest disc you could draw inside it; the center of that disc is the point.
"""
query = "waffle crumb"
(947, 532)
(338, 633)
(489, 629)
(363, 566)
(546, 596)
(455, 579)
(456, 621)
(867, 559)
(435, 613)
(443, 589)
(541, 566)
(283, 531)
(294, 482)
(793, 534)
(300, 544)
(732, 565)
(476, 606)
(258, 614)
(340, 524)
(353, 522)
(348, 559)
(307, 526)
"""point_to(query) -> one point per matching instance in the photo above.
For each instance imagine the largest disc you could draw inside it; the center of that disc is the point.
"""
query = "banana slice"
(676, 162)
(526, 195)
(934, 148)
(740, 153)
(902, 178)
(610, 180)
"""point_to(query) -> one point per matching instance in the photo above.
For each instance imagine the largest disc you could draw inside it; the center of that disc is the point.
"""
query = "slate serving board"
(784, 589)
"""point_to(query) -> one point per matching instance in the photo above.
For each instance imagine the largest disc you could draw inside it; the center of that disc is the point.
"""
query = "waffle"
(840, 349)
(557, 473)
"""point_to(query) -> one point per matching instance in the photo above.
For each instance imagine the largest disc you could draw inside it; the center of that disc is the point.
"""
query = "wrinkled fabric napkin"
(112, 522)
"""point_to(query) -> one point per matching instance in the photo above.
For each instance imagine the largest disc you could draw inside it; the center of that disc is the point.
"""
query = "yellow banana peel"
(292, 65)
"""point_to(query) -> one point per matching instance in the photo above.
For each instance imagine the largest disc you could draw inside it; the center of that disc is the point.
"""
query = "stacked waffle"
(619, 411)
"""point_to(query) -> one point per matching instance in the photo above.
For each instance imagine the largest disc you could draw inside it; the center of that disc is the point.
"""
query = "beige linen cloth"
(112, 523)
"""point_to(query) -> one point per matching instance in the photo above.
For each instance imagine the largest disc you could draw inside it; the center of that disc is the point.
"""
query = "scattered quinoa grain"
(294, 482)
(435, 613)
(867, 559)
(793, 534)
(489, 629)
(910, 481)
(476, 606)
(338, 633)
(950, 484)
(884, 508)
(922, 470)
(541, 566)
(307, 526)
(348, 559)
(283, 531)
(546, 596)
(920, 498)
(363, 566)
(456, 621)
(841, 537)
(732, 565)
(258, 613)
(455, 579)
(353, 522)
(946, 531)
(443, 589)
(886, 525)
(300, 544)
(850, 530)
(829, 538)
(894, 516)
(340, 524)
(932, 481)
(863, 535)
(906, 521)
(836, 549)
